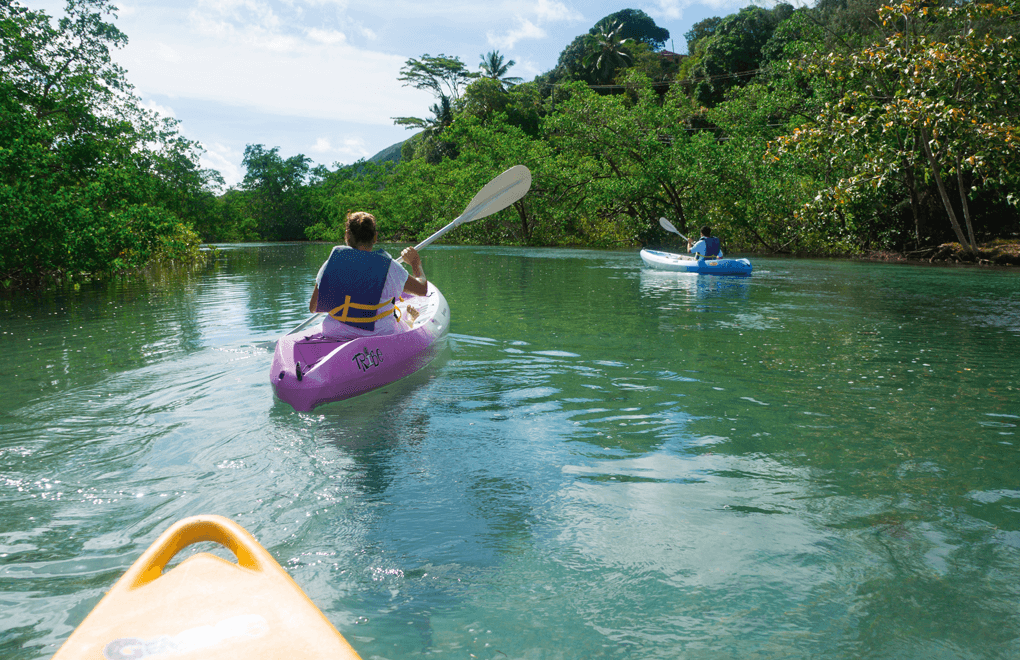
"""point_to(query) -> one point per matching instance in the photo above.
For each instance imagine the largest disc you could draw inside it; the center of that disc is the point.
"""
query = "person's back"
(358, 291)
(359, 288)
(708, 246)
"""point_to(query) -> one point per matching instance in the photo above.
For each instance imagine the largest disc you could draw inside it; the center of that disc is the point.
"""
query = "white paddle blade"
(497, 194)
(668, 226)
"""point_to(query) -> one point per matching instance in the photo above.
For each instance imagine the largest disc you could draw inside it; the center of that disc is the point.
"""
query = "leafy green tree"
(606, 52)
(90, 182)
(363, 186)
(228, 220)
(636, 26)
(525, 108)
(700, 31)
(278, 193)
(492, 66)
(521, 105)
(429, 144)
(444, 77)
(918, 107)
(442, 117)
(489, 147)
(729, 53)
(570, 64)
(756, 199)
(614, 42)
(440, 74)
(484, 97)
(642, 159)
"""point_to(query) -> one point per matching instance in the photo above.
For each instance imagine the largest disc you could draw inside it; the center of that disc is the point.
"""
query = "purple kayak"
(309, 369)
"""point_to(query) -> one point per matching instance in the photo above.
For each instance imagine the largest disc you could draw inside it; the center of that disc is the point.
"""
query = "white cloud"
(526, 69)
(349, 149)
(670, 9)
(279, 75)
(555, 11)
(225, 160)
(326, 36)
(543, 12)
(247, 22)
(166, 53)
(525, 30)
(353, 148)
(160, 109)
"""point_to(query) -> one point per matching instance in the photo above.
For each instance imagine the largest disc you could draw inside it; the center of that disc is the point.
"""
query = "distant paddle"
(497, 194)
(668, 226)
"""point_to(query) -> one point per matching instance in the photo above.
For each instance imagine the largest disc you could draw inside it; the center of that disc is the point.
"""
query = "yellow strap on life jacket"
(340, 313)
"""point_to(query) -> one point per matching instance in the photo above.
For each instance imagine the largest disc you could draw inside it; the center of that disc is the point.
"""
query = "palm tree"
(492, 66)
(606, 53)
(442, 118)
(429, 144)
(443, 115)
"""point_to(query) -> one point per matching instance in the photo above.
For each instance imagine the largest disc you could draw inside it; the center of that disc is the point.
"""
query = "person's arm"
(416, 283)
(314, 302)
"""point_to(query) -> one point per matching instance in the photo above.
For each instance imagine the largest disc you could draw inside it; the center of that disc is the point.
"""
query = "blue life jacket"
(711, 246)
(351, 286)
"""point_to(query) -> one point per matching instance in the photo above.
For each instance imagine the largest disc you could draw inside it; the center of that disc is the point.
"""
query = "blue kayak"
(684, 263)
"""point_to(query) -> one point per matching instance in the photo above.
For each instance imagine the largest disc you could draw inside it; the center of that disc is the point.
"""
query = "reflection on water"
(818, 460)
(662, 284)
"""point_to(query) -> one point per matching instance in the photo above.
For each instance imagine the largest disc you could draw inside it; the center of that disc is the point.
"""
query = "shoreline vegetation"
(1000, 252)
(850, 129)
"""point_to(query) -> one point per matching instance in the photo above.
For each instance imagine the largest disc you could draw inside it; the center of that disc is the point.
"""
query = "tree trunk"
(942, 191)
(963, 200)
(915, 203)
(522, 213)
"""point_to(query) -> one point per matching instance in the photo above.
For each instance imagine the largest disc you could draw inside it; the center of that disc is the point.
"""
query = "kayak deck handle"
(189, 531)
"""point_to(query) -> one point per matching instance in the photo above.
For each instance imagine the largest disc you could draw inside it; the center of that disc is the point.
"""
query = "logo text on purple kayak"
(368, 358)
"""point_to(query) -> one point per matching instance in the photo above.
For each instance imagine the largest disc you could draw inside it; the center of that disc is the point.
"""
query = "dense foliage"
(90, 182)
(833, 129)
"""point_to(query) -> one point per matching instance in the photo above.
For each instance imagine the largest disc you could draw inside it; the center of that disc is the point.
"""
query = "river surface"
(821, 460)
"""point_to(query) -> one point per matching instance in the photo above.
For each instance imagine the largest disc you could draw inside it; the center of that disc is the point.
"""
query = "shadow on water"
(421, 531)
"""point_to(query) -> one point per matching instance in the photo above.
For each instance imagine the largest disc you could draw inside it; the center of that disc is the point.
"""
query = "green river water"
(820, 460)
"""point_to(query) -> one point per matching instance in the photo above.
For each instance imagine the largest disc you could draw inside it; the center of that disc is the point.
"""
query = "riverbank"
(1000, 252)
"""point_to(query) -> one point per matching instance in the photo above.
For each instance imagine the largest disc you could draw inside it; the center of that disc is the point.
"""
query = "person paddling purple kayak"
(359, 287)
(372, 323)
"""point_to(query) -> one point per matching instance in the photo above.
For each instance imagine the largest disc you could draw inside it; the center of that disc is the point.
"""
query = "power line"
(686, 81)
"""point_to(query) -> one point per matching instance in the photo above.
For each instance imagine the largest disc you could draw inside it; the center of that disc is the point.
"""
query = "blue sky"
(319, 77)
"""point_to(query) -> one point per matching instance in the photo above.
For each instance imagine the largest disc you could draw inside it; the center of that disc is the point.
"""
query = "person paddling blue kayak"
(708, 246)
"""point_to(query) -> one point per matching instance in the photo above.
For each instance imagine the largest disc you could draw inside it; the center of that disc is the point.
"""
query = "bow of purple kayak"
(310, 369)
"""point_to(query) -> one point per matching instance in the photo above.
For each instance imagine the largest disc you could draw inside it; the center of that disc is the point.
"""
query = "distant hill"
(391, 153)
